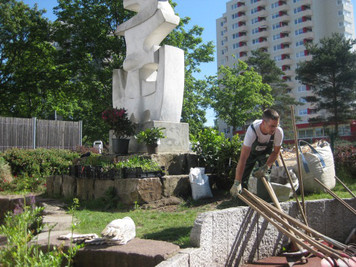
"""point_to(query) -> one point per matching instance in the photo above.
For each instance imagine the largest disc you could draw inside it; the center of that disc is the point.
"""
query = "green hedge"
(31, 167)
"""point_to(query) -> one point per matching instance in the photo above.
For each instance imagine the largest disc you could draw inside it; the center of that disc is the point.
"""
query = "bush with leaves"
(218, 154)
(345, 160)
(31, 167)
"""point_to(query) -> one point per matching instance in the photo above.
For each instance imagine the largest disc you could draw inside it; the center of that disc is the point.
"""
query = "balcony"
(283, 8)
(242, 8)
(262, 45)
(307, 12)
(262, 13)
(243, 38)
(308, 35)
(307, 23)
(242, 28)
(287, 61)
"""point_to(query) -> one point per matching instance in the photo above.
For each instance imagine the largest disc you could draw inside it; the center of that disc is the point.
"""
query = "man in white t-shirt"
(262, 144)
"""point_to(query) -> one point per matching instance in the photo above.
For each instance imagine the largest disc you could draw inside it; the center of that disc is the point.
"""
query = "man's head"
(270, 121)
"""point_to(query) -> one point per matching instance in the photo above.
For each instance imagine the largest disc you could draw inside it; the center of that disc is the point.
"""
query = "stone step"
(137, 252)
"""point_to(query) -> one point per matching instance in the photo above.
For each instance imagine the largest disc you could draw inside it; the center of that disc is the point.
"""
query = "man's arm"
(245, 153)
(274, 155)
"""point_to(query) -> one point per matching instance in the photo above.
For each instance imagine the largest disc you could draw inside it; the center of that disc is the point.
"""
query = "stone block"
(57, 185)
(177, 137)
(69, 186)
(49, 186)
(176, 185)
(85, 188)
(101, 187)
(137, 252)
(176, 163)
(138, 191)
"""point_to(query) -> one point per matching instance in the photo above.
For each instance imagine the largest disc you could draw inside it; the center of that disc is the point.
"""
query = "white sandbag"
(120, 230)
(319, 163)
(199, 182)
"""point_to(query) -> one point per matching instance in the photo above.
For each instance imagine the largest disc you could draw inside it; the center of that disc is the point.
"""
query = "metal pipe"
(344, 185)
(336, 197)
(294, 192)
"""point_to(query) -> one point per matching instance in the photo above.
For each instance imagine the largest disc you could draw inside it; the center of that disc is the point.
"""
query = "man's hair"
(270, 114)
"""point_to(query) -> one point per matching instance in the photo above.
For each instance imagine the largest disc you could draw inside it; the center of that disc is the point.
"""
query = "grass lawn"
(174, 224)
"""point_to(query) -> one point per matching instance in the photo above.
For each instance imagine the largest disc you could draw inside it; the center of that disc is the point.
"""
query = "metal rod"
(294, 192)
(296, 222)
(344, 185)
(336, 197)
(283, 230)
(267, 213)
(276, 202)
(301, 185)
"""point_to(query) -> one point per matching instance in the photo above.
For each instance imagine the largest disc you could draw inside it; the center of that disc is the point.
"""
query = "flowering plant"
(119, 122)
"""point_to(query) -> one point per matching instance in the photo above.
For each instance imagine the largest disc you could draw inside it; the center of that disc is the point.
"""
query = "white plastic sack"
(199, 182)
(318, 164)
(120, 230)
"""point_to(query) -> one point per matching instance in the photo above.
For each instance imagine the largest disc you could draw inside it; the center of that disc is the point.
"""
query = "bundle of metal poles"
(314, 242)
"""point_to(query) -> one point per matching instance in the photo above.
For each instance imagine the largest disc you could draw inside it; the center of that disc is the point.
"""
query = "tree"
(32, 83)
(272, 75)
(238, 94)
(332, 75)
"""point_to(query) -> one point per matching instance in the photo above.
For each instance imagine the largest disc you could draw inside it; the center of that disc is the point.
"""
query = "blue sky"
(202, 12)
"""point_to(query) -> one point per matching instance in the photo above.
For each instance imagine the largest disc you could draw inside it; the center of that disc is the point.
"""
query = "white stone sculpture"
(151, 84)
(120, 230)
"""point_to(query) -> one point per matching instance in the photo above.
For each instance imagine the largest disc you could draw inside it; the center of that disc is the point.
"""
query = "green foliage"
(5, 174)
(150, 136)
(345, 160)
(332, 75)
(119, 122)
(32, 83)
(272, 75)
(21, 249)
(31, 167)
(146, 164)
(218, 154)
(238, 94)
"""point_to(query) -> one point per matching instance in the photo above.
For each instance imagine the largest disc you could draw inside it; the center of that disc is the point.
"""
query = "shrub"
(31, 167)
(345, 159)
(218, 154)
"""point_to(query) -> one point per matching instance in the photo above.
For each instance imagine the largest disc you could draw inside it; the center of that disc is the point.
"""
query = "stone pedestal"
(176, 141)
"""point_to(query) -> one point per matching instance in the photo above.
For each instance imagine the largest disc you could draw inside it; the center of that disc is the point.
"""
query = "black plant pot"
(152, 148)
(120, 146)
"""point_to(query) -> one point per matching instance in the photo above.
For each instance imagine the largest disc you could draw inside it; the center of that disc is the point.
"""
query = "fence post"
(80, 132)
(34, 127)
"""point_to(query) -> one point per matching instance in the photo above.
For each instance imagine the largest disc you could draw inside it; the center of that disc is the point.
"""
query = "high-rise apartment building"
(281, 28)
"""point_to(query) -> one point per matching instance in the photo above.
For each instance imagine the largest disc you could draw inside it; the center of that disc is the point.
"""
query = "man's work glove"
(261, 172)
(235, 189)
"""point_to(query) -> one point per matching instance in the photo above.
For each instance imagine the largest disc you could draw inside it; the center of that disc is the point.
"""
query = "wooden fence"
(33, 133)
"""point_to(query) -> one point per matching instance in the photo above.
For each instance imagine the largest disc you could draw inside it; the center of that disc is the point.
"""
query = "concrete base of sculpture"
(176, 141)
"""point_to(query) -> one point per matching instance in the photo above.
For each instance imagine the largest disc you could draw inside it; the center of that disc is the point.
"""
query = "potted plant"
(150, 137)
(123, 127)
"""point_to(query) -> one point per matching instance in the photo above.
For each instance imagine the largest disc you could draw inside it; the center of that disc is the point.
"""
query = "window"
(305, 133)
(276, 36)
(300, 31)
(302, 100)
(234, 6)
(344, 130)
(345, 24)
(255, 41)
(300, 54)
(303, 112)
(298, 9)
(235, 26)
(254, 1)
(277, 47)
(255, 10)
(299, 43)
(299, 20)
(302, 88)
(274, 5)
(278, 58)
(348, 35)
(255, 20)
(276, 26)
(275, 15)
(255, 30)
(295, 1)
(319, 132)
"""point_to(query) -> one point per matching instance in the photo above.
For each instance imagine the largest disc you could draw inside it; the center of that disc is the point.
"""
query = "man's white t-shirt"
(250, 136)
